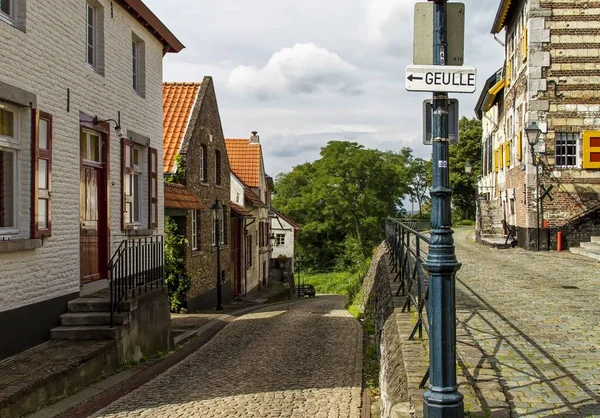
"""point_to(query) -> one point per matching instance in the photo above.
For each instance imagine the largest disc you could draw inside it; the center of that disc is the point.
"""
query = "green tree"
(464, 185)
(420, 182)
(341, 201)
(176, 276)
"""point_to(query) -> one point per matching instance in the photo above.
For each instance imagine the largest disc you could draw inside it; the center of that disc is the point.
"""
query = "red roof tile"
(240, 211)
(178, 197)
(244, 160)
(253, 199)
(178, 102)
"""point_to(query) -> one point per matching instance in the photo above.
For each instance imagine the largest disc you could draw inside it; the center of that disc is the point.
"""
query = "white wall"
(281, 226)
(46, 60)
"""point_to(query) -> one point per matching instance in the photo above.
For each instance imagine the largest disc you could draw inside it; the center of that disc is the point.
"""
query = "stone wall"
(378, 307)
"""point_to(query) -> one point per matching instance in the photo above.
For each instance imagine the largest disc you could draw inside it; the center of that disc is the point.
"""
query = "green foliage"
(176, 276)
(179, 175)
(420, 182)
(465, 222)
(341, 201)
(464, 185)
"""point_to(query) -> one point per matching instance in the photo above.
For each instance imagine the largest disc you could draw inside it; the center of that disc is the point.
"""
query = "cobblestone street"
(537, 317)
(290, 360)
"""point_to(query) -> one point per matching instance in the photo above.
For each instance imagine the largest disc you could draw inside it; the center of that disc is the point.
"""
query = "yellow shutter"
(508, 72)
(507, 154)
(519, 145)
(591, 149)
(525, 49)
(495, 161)
(501, 157)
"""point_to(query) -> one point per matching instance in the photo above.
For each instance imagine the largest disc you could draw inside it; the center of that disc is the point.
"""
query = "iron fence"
(136, 267)
(409, 248)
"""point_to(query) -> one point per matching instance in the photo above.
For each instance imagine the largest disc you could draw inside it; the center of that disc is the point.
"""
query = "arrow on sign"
(413, 77)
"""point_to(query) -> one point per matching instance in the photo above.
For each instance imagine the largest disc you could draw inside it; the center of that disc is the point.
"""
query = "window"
(137, 186)
(127, 177)
(9, 147)
(217, 167)
(195, 230)
(153, 187)
(42, 175)
(138, 65)
(91, 144)
(203, 163)
(249, 251)
(280, 239)
(92, 39)
(566, 150)
(7, 8)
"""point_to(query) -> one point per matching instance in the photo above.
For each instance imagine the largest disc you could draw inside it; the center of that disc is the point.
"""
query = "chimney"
(255, 139)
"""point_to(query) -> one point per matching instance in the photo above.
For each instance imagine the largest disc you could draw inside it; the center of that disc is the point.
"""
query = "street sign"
(452, 121)
(423, 34)
(450, 79)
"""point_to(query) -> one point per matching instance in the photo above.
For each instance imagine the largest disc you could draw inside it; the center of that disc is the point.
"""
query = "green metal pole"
(442, 399)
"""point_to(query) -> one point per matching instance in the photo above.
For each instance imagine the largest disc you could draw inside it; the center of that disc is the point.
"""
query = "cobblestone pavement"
(542, 339)
(290, 360)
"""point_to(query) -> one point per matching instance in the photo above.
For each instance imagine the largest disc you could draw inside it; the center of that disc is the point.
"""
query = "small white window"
(194, 230)
(137, 186)
(91, 35)
(91, 146)
(135, 53)
(9, 147)
(280, 239)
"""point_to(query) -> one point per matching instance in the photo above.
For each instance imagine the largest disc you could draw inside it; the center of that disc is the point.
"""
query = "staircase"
(88, 318)
(589, 249)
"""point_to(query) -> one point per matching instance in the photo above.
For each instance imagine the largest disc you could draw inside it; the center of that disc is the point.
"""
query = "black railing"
(136, 267)
(409, 248)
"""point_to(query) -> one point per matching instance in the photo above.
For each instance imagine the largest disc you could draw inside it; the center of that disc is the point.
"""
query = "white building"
(285, 231)
(65, 67)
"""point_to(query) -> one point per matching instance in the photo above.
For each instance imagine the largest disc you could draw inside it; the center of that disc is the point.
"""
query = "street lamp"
(533, 133)
(298, 269)
(272, 239)
(218, 218)
(468, 168)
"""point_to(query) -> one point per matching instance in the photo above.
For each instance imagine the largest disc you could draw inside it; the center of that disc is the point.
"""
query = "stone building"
(80, 136)
(251, 200)
(196, 157)
(550, 77)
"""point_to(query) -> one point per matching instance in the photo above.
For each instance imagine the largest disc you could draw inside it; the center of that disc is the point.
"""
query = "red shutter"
(153, 187)
(41, 184)
(127, 183)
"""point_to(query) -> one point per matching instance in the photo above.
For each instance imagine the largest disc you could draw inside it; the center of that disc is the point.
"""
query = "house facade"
(65, 69)
(250, 193)
(196, 157)
(285, 231)
(549, 77)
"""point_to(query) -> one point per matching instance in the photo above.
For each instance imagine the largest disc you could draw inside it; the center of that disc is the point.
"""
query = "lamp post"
(218, 218)
(298, 269)
(442, 399)
(533, 133)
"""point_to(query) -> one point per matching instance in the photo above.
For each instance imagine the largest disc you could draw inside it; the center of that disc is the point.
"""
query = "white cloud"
(303, 68)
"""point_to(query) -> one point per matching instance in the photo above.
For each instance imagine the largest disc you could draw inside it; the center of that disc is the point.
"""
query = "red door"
(93, 211)
(236, 255)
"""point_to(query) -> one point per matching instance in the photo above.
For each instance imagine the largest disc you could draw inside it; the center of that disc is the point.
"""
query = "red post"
(559, 241)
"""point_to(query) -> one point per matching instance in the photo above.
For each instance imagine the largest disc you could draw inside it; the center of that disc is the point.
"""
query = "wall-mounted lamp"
(117, 123)
(468, 168)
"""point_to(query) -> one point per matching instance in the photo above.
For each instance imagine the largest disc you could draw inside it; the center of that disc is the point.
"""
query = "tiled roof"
(178, 197)
(178, 102)
(288, 220)
(244, 160)
(253, 199)
(240, 211)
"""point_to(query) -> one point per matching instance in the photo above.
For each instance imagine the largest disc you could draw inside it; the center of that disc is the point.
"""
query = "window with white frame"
(135, 48)
(138, 175)
(138, 65)
(203, 164)
(9, 148)
(92, 38)
(565, 151)
(7, 8)
(195, 230)
(280, 239)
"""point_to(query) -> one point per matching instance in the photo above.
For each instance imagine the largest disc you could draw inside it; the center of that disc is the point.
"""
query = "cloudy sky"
(303, 73)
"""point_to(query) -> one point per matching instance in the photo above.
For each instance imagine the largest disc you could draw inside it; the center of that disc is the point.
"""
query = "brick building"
(67, 199)
(251, 201)
(195, 153)
(550, 76)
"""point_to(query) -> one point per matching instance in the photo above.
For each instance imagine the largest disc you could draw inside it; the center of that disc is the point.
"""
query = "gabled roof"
(178, 197)
(144, 15)
(501, 15)
(240, 212)
(288, 220)
(244, 160)
(178, 101)
(253, 199)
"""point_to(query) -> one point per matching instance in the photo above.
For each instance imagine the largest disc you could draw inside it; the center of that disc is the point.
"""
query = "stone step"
(99, 305)
(88, 332)
(594, 254)
(595, 239)
(93, 318)
(594, 245)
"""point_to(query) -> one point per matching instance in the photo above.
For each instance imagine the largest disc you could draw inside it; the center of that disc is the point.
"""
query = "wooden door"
(93, 211)
(236, 255)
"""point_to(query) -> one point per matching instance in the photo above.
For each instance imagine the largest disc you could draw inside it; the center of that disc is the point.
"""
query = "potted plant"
(282, 260)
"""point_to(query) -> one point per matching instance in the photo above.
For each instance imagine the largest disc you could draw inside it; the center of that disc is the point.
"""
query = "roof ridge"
(182, 83)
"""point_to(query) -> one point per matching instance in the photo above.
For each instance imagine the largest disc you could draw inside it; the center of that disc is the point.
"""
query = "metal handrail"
(136, 265)
(409, 249)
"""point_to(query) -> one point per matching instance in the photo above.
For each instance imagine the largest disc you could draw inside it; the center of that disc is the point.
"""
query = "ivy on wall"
(176, 276)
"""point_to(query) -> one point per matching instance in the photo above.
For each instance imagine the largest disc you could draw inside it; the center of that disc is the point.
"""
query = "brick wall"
(47, 59)
(205, 128)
